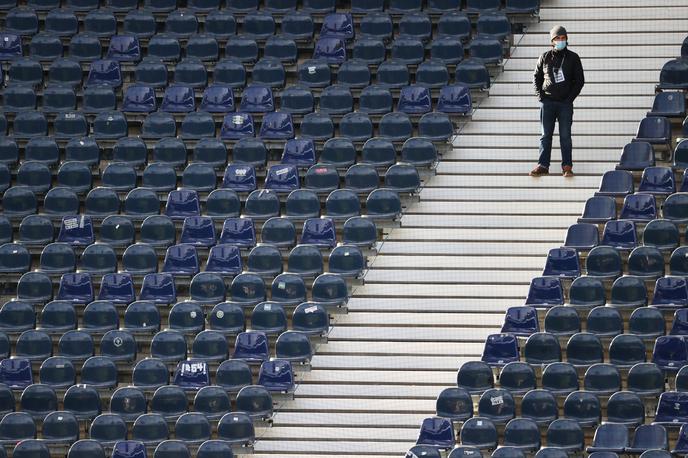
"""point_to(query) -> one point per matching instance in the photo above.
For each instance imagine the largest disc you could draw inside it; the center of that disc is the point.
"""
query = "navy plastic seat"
(359, 231)
(117, 231)
(480, 433)
(670, 353)
(671, 409)
(604, 262)
(152, 72)
(202, 47)
(500, 349)
(626, 351)
(629, 291)
(251, 346)
(599, 209)
(192, 428)
(34, 345)
(475, 376)
(189, 375)
(181, 24)
(661, 234)
(584, 349)
(566, 435)
(119, 346)
(646, 322)
(141, 317)
(520, 321)
(494, 24)
(211, 401)
(542, 348)
(85, 448)
(110, 125)
(31, 448)
(517, 377)
(58, 317)
(234, 428)
(582, 236)
(236, 126)
(16, 374)
(602, 379)
(124, 48)
(491, 408)
(455, 99)
(655, 130)
(76, 288)
(168, 346)
(545, 292)
(233, 374)
(670, 293)
(172, 449)
(226, 318)
(639, 207)
(298, 152)
(681, 442)
(35, 230)
(636, 156)
(100, 372)
(394, 73)
(35, 176)
(34, 287)
(58, 258)
(522, 434)
(276, 376)
(402, 178)
(117, 288)
(620, 234)
(280, 48)
(19, 98)
(562, 262)
(77, 346)
(83, 401)
(319, 232)
(11, 46)
(306, 261)
(473, 73)
(186, 317)
(383, 204)
(164, 47)
(610, 437)
(17, 316)
(672, 75)
(486, 49)
(178, 98)
(369, 50)
(583, 407)
(269, 72)
(23, 20)
(319, 126)
(158, 288)
(100, 316)
(436, 432)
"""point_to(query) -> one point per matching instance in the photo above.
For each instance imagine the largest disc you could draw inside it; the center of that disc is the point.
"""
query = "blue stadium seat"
(34, 175)
(243, 49)
(152, 72)
(620, 234)
(100, 372)
(236, 126)
(192, 428)
(672, 75)
(233, 374)
(455, 404)
(140, 259)
(604, 262)
(545, 292)
(658, 181)
(562, 262)
(141, 317)
(257, 99)
(500, 349)
(522, 434)
(251, 346)
(117, 288)
(281, 48)
(83, 401)
(670, 293)
(76, 345)
(473, 73)
(207, 288)
(58, 317)
(646, 262)
(480, 433)
(186, 317)
(178, 98)
(626, 351)
(119, 346)
(100, 316)
(639, 207)
(582, 407)
(19, 98)
(16, 374)
(584, 349)
(85, 448)
(248, 288)
(671, 409)
(436, 432)
(234, 428)
(562, 321)
(486, 49)
(675, 206)
(11, 47)
(33, 345)
(321, 178)
(520, 321)
(269, 72)
(565, 435)
(602, 379)
(226, 318)
(129, 448)
(150, 374)
(213, 402)
(224, 259)
(202, 47)
(168, 346)
(610, 437)
(31, 448)
(189, 375)
(646, 323)
(541, 348)
(217, 99)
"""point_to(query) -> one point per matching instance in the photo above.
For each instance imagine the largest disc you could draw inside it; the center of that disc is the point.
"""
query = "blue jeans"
(550, 112)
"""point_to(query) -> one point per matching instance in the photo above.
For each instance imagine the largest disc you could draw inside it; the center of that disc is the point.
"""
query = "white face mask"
(559, 45)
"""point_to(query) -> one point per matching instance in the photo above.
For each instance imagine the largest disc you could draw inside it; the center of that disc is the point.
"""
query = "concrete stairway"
(480, 232)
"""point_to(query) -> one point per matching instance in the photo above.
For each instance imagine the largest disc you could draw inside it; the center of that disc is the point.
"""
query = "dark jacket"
(543, 78)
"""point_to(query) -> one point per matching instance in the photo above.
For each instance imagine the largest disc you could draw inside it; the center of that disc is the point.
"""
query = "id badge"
(559, 76)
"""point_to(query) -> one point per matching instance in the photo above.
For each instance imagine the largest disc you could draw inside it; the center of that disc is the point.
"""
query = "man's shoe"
(539, 171)
(567, 171)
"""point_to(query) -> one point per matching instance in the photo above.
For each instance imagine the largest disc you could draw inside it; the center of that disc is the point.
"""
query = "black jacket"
(543, 78)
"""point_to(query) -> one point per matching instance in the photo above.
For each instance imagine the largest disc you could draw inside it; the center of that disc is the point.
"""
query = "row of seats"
(605, 322)
(87, 448)
(168, 345)
(522, 436)
(225, 319)
(184, 23)
(340, 152)
(584, 349)
(148, 375)
(276, 125)
(218, 100)
(287, 6)
(561, 380)
(313, 73)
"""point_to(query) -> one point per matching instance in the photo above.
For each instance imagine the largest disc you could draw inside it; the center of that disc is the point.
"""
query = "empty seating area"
(595, 361)
(190, 191)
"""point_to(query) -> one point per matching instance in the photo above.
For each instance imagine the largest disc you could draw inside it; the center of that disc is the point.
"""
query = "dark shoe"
(539, 171)
(567, 171)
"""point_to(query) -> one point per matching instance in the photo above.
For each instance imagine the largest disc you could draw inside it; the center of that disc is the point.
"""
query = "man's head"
(558, 37)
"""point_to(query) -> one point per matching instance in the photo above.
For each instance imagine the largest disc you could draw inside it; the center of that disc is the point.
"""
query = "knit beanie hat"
(556, 31)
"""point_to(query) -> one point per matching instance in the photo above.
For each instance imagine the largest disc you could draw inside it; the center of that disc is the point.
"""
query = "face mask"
(559, 45)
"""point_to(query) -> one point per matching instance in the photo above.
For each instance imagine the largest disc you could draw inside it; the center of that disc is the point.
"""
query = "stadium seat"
(658, 181)
(117, 288)
(276, 376)
(85, 448)
(517, 377)
(626, 408)
(475, 376)
(584, 349)
(288, 289)
(480, 433)
(670, 353)
(305, 260)
(565, 434)
(31, 448)
(562, 262)
(235, 428)
(497, 405)
(436, 432)
(227, 318)
(646, 322)
(670, 293)
(119, 346)
(629, 291)
(192, 428)
(500, 349)
(233, 374)
(639, 207)
(150, 374)
(626, 350)
(251, 346)
(671, 409)
(586, 292)
(264, 260)
(672, 75)
(661, 234)
(522, 434)
(541, 348)
(620, 234)
(545, 292)
(83, 401)
(583, 407)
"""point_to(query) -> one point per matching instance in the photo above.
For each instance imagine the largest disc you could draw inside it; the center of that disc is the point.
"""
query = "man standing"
(558, 79)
